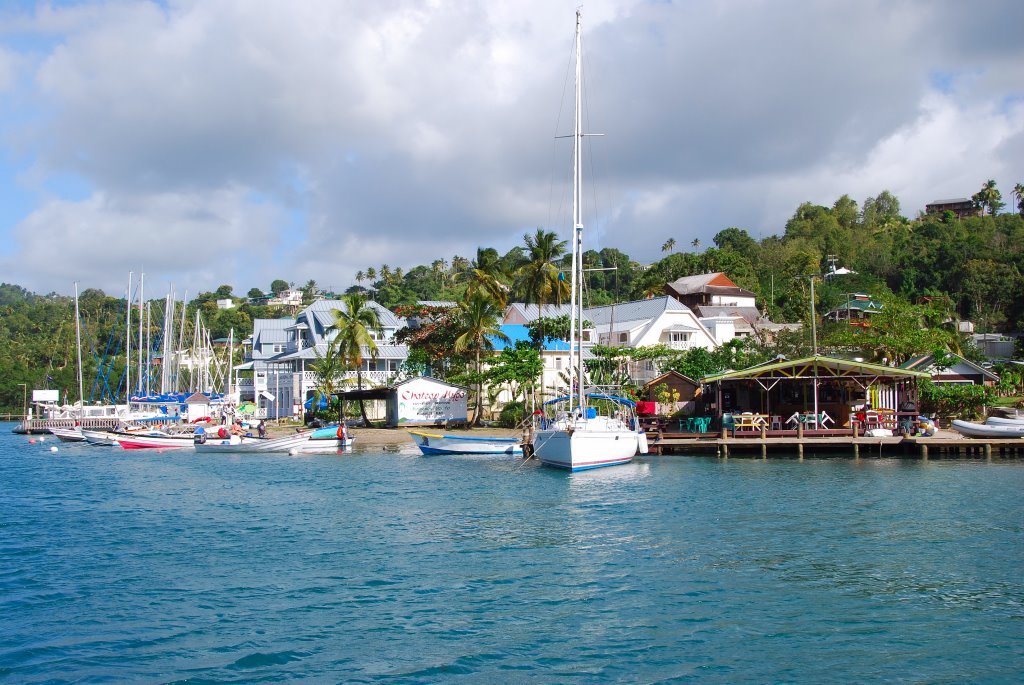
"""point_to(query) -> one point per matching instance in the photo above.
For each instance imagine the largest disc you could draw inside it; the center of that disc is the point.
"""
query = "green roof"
(809, 366)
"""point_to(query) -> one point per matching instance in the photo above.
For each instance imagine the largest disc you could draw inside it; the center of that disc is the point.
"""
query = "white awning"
(267, 395)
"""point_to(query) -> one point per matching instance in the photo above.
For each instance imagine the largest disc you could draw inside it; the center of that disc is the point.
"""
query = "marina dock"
(764, 446)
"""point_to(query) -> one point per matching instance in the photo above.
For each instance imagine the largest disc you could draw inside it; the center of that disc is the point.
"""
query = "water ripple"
(390, 567)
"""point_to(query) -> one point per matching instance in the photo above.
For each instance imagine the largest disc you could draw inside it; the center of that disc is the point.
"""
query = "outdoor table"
(750, 420)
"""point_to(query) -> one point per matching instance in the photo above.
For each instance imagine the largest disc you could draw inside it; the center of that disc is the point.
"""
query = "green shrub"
(511, 415)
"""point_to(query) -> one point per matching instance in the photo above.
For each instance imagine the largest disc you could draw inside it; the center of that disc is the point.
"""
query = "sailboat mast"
(576, 298)
(142, 291)
(149, 346)
(168, 314)
(78, 340)
(128, 342)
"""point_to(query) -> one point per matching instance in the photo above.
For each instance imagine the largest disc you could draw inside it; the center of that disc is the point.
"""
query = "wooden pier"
(38, 426)
(713, 444)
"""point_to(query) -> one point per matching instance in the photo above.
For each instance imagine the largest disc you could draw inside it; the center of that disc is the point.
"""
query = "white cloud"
(404, 132)
(190, 240)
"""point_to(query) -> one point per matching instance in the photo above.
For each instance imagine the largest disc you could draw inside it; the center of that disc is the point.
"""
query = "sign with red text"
(425, 400)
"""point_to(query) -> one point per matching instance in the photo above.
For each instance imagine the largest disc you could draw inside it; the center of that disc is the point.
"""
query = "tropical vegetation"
(930, 271)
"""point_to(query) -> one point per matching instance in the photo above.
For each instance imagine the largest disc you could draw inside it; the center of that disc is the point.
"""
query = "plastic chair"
(729, 423)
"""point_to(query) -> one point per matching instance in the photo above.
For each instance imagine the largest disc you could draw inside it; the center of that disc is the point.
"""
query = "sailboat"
(584, 430)
(75, 434)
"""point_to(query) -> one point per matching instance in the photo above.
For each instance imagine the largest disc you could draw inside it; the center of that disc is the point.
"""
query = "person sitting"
(262, 429)
(236, 428)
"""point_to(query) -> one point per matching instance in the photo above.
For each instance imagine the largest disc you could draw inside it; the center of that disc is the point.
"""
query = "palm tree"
(371, 275)
(353, 326)
(359, 277)
(669, 245)
(486, 275)
(1018, 192)
(328, 372)
(538, 279)
(989, 197)
(696, 244)
(478, 320)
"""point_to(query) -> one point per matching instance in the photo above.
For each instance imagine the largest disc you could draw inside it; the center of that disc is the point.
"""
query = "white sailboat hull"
(590, 444)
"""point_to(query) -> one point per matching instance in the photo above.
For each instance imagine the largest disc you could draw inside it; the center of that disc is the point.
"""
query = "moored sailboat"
(594, 430)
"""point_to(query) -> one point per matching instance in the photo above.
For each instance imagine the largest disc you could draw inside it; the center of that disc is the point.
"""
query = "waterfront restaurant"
(814, 394)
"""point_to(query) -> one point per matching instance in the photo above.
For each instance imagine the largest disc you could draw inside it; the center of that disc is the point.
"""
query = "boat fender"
(222, 432)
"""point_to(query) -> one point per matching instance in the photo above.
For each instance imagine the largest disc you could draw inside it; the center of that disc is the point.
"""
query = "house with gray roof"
(282, 350)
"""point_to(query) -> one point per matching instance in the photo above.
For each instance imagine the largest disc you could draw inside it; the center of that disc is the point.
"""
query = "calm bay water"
(390, 567)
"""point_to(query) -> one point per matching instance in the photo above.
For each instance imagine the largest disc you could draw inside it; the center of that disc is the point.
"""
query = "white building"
(657, 321)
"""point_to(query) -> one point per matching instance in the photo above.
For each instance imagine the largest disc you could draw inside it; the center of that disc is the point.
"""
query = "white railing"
(370, 378)
(244, 383)
(680, 345)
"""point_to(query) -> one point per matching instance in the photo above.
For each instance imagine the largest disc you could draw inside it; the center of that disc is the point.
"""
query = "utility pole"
(814, 323)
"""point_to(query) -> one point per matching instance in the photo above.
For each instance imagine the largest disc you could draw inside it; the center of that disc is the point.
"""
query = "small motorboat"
(985, 430)
(155, 439)
(329, 439)
(1003, 421)
(232, 444)
(69, 434)
(438, 443)
(99, 438)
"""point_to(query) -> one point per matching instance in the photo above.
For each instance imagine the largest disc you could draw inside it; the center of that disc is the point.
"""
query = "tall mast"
(128, 343)
(576, 298)
(78, 339)
(149, 346)
(181, 343)
(168, 316)
(142, 291)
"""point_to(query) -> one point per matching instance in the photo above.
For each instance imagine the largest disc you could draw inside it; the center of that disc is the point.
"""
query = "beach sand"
(381, 437)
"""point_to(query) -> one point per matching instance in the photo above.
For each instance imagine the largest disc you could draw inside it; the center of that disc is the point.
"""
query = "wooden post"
(800, 450)
(856, 451)
(924, 451)
(988, 451)
(800, 430)
(856, 429)
(725, 450)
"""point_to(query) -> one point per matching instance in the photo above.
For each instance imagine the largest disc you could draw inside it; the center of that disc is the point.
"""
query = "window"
(558, 362)
(676, 336)
(623, 337)
(586, 336)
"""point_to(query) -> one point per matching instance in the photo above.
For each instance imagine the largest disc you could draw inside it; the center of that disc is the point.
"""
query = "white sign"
(46, 395)
(422, 400)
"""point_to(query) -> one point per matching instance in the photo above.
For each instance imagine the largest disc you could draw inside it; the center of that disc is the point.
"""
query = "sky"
(210, 142)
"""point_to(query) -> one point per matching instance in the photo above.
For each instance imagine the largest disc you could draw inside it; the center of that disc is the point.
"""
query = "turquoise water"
(390, 567)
